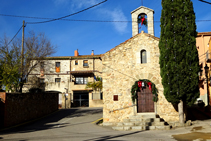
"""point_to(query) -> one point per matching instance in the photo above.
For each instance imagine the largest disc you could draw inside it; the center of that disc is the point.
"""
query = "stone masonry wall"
(19, 108)
(122, 67)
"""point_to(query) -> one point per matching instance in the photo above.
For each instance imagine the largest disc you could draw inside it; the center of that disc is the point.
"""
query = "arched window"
(143, 56)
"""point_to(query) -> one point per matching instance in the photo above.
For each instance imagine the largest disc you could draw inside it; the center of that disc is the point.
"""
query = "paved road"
(76, 125)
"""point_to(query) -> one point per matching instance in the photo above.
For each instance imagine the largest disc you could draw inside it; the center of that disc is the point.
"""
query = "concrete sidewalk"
(199, 131)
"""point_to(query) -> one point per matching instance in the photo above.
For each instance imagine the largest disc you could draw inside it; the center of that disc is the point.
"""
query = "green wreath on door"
(138, 84)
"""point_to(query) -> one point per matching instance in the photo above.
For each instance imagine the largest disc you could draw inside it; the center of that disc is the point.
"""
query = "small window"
(76, 62)
(115, 97)
(143, 54)
(42, 80)
(41, 66)
(57, 79)
(85, 64)
(81, 80)
(57, 66)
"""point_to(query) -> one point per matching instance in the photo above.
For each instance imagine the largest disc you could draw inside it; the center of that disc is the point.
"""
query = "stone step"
(119, 124)
(147, 115)
(108, 124)
(134, 120)
(142, 117)
(121, 128)
(157, 123)
(135, 117)
(129, 123)
(140, 128)
(141, 122)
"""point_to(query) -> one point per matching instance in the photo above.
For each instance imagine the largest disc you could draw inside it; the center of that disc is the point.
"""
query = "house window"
(85, 63)
(115, 98)
(76, 62)
(42, 80)
(41, 66)
(57, 66)
(57, 79)
(143, 54)
(81, 80)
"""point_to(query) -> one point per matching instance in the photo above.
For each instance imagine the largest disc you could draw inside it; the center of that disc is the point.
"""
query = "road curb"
(96, 121)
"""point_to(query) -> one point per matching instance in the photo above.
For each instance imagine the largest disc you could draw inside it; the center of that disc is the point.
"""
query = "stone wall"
(19, 108)
(122, 67)
(50, 75)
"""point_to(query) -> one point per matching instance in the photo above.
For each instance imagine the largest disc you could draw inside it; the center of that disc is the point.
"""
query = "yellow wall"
(202, 47)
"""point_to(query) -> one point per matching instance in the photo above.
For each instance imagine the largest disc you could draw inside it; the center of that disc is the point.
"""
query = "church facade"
(135, 59)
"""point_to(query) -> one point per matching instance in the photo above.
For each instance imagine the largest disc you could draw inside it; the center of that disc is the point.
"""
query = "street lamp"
(200, 73)
(65, 95)
(206, 68)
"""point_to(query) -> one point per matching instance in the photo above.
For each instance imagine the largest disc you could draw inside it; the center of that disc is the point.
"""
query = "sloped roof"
(146, 34)
(73, 57)
(203, 33)
(142, 7)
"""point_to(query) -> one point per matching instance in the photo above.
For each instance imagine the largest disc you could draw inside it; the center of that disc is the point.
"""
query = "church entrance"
(145, 101)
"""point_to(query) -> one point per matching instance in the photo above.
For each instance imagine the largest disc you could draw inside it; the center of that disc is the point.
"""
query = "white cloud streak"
(117, 15)
(113, 15)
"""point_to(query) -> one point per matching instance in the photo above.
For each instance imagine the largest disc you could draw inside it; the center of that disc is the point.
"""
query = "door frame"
(135, 109)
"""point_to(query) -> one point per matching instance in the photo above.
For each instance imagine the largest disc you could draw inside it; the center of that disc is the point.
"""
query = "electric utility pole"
(22, 55)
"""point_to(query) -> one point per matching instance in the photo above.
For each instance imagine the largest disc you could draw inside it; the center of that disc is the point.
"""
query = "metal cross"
(141, 2)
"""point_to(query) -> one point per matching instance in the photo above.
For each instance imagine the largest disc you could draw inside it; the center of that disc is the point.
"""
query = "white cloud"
(84, 3)
(113, 15)
(117, 15)
(75, 5)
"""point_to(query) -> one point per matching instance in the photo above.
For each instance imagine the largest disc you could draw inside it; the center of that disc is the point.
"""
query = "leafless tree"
(36, 49)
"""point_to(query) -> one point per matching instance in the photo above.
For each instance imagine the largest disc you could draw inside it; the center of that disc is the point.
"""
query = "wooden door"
(145, 101)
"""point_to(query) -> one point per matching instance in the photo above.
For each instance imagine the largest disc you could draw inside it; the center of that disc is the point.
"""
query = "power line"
(68, 15)
(15, 35)
(62, 19)
(29, 17)
(205, 1)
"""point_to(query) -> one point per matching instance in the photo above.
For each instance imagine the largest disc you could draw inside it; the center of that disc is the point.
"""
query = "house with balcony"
(69, 75)
(203, 44)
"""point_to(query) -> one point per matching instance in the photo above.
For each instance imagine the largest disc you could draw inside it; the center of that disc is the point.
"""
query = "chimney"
(76, 53)
(92, 52)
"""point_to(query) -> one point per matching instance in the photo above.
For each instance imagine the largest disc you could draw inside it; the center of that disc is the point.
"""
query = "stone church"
(136, 58)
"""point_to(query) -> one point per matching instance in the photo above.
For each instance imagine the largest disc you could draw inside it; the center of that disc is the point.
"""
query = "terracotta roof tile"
(75, 57)
(79, 72)
(204, 33)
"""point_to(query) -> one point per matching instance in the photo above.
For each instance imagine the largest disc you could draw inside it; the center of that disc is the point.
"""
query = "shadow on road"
(104, 138)
(52, 121)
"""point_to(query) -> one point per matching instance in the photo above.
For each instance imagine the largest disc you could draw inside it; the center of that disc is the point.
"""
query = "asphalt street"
(76, 124)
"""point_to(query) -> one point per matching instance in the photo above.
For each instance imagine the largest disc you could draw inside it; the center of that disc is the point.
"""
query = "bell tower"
(150, 19)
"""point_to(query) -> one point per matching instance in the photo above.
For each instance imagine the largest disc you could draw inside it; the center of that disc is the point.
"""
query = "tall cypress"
(179, 61)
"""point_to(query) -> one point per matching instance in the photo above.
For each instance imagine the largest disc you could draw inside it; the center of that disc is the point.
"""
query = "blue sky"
(85, 36)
